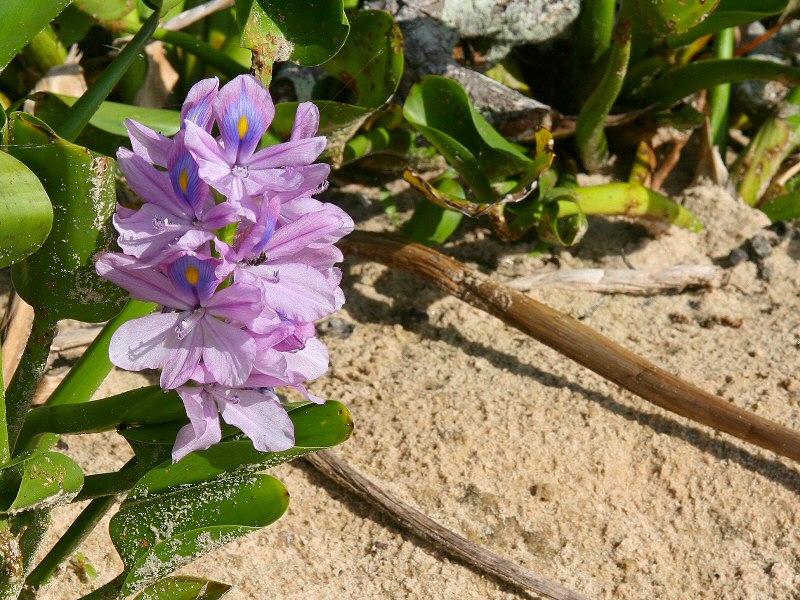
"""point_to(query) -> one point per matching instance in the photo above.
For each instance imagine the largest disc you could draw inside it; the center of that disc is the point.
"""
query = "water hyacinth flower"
(236, 320)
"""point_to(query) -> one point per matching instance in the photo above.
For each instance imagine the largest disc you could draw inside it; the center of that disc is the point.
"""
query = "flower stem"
(719, 96)
(89, 372)
(80, 113)
(28, 375)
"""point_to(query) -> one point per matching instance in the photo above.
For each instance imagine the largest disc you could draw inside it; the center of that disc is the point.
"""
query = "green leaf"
(441, 110)
(26, 215)
(39, 480)
(308, 33)
(185, 588)
(317, 426)
(157, 535)
(21, 20)
(783, 208)
(370, 63)
(59, 280)
(106, 10)
(665, 17)
(432, 224)
(729, 13)
(562, 222)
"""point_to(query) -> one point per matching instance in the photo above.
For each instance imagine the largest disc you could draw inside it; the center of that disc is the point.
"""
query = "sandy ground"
(521, 450)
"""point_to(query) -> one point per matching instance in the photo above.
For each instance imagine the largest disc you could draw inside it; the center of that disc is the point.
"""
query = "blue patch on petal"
(186, 182)
(244, 110)
(194, 277)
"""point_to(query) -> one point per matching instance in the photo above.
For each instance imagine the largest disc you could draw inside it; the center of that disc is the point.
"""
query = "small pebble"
(761, 246)
(336, 326)
(737, 256)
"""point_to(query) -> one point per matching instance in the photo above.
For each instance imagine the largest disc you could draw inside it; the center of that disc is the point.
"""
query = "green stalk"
(80, 113)
(689, 79)
(593, 32)
(720, 95)
(69, 542)
(5, 450)
(590, 130)
(87, 374)
(28, 375)
(109, 591)
(627, 199)
(205, 52)
(29, 528)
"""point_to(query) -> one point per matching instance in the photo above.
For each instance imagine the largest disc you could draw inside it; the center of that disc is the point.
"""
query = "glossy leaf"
(665, 17)
(308, 33)
(432, 224)
(729, 13)
(60, 278)
(39, 480)
(21, 20)
(317, 426)
(185, 588)
(441, 110)
(370, 63)
(158, 534)
(26, 215)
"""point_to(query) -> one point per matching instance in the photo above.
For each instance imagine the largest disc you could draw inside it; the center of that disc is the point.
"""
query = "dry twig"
(193, 15)
(576, 341)
(423, 526)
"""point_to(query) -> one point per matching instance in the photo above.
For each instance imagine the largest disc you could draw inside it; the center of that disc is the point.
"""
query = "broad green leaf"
(39, 480)
(157, 535)
(431, 223)
(665, 17)
(441, 110)
(317, 426)
(308, 33)
(370, 63)
(184, 588)
(59, 280)
(729, 13)
(26, 215)
(21, 20)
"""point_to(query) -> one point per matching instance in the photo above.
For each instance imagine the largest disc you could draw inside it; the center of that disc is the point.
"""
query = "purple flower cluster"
(241, 274)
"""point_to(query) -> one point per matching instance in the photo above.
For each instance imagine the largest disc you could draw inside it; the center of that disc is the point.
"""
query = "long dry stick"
(576, 341)
(420, 524)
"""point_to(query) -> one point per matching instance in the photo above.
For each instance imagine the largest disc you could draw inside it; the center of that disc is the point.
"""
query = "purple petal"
(145, 283)
(240, 302)
(306, 121)
(197, 107)
(258, 182)
(308, 229)
(219, 216)
(183, 358)
(203, 430)
(185, 179)
(195, 278)
(294, 290)
(244, 110)
(260, 416)
(253, 239)
(310, 362)
(229, 352)
(145, 233)
(150, 145)
(150, 184)
(296, 153)
(144, 343)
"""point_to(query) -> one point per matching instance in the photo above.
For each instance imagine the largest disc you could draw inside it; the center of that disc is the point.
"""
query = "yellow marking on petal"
(183, 180)
(243, 127)
(192, 275)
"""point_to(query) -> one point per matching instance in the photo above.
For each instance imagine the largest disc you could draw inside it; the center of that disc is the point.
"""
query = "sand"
(523, 451)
